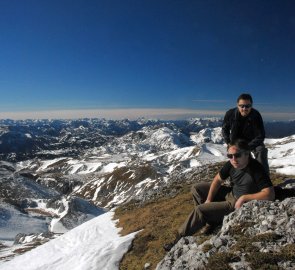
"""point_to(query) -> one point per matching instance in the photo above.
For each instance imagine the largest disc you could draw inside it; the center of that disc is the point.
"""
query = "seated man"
(249, 181)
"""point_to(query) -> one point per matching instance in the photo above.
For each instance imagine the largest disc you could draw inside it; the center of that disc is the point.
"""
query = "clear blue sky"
(193, 54)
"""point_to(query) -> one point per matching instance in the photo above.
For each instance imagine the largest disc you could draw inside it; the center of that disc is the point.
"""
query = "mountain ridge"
(87, 167)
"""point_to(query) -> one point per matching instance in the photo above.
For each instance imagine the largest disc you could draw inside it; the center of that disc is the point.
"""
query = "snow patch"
(95, 244)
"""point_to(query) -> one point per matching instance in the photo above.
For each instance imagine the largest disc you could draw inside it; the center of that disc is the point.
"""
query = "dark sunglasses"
(236, 155)
(247, 106)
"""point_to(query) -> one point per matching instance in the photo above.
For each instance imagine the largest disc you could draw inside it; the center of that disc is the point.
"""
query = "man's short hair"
(241, 144)
(245, 97)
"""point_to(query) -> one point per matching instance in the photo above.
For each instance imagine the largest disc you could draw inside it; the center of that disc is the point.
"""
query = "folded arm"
(265, 194)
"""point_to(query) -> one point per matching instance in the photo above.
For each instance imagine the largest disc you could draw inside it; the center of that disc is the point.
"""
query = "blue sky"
(113, 55)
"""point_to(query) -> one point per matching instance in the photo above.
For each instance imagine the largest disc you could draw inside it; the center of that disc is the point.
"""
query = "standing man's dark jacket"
(249, 128)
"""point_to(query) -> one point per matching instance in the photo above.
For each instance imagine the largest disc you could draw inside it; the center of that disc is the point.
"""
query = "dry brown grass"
(277, 178)
(158, 221)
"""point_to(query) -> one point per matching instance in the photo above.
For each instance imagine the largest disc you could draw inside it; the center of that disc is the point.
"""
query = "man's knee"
(200, 191)
(202, 187)
(261, 151)
(260, 154)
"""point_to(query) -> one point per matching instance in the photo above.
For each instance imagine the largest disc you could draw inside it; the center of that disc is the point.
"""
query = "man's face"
(238, 158)
(244, 106)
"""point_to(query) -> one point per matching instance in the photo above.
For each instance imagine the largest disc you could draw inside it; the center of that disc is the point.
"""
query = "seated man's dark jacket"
(249, 128)
(249, 180)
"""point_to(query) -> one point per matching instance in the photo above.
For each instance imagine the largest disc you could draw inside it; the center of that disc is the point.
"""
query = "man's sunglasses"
(247, 106)
(236, 155)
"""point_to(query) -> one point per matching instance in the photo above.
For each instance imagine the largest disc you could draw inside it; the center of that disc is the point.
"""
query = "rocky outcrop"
(260, 235)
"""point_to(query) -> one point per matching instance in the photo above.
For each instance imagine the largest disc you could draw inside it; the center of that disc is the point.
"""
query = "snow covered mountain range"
(55, 175)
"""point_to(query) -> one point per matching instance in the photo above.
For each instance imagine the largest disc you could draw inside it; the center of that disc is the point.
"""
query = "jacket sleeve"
(259, 132)
(226, 127)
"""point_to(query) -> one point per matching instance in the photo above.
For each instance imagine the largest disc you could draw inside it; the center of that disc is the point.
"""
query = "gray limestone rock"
(261, 226)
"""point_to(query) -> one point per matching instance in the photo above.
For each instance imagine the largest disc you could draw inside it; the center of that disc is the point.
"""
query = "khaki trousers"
(211, 213)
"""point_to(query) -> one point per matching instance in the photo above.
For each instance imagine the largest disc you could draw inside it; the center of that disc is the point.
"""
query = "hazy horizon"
(133, 113)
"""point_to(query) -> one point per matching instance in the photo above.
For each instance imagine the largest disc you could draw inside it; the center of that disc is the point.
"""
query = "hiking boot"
(167, 247)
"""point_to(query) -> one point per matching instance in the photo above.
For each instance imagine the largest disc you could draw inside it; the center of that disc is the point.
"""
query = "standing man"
(249, 181)
(244, 122)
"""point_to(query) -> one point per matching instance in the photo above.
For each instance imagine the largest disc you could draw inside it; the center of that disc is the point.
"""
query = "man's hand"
(240, 202)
